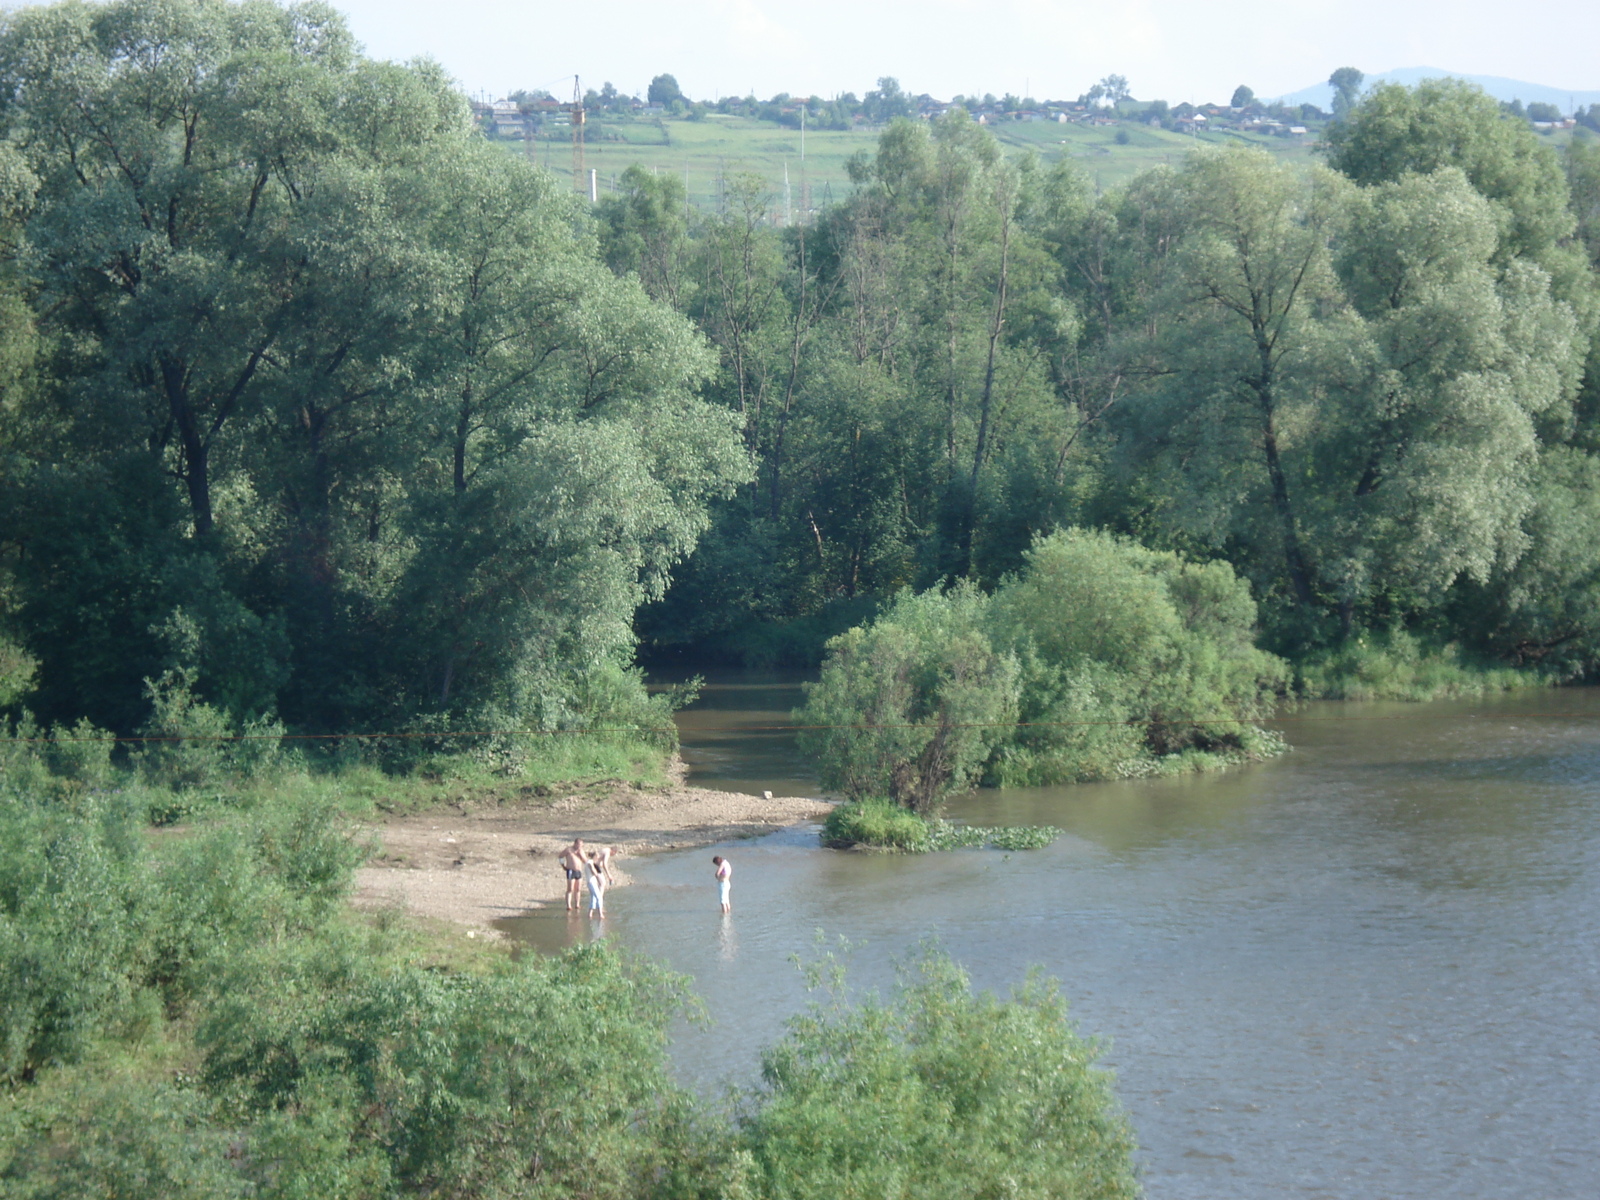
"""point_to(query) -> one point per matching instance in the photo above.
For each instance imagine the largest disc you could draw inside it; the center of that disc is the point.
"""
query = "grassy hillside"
(717, 147)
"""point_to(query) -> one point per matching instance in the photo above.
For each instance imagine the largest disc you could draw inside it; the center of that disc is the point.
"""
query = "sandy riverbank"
(487, 858)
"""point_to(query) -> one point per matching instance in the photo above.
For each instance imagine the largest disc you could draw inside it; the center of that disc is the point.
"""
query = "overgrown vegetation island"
(346, 456)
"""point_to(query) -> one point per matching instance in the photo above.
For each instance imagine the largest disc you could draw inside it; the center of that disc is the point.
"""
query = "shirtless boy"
(571, 860)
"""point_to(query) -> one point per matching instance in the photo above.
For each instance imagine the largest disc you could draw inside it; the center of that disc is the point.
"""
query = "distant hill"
(1501, 89)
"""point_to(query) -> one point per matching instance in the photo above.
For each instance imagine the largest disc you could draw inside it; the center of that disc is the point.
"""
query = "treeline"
(321, 413)
(1369, 387)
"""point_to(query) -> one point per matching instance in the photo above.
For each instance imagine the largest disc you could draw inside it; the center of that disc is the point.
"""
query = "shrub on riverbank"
(1102, 660)
(939, 1093)
(1400, 666)
(196, 773)
(912, 705)
(877, 823)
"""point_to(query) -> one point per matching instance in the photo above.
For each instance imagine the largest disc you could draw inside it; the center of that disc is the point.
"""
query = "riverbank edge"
(474, 863)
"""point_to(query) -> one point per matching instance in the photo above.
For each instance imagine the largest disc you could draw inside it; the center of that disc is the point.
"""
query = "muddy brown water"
(1370, 968)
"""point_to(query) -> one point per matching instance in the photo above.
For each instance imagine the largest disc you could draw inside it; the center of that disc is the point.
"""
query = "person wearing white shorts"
(594, 874)
(724, 882)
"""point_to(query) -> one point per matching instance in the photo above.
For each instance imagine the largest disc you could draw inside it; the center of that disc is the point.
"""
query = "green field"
(719, 147)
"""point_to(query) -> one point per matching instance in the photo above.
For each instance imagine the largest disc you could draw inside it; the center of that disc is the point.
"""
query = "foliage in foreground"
(885, 826)
(1100, 660)
(939, 1093)
(194, 1013)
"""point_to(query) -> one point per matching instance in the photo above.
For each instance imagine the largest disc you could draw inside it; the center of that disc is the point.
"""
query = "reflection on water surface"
(1367, 969)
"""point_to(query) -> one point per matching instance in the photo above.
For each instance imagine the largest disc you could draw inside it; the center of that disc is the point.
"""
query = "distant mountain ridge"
(1497, 86)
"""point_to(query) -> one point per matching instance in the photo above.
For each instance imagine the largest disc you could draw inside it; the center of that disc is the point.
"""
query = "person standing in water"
(594, 873)
(571, 860)
(724, 882)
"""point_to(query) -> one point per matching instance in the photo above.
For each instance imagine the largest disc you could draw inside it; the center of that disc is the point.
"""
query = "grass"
(707, 151)
(880, 825)
(719, 147)
(1401, 666)
(357, 777)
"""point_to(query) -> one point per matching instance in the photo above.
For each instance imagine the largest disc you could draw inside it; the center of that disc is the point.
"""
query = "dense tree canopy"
(317, 400)
(319, 369)
(1346, 382)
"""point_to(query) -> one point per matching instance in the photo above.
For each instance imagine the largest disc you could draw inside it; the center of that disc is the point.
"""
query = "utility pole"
(580, 177)
(805, 183)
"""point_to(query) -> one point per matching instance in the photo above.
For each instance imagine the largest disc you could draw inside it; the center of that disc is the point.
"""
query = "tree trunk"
(997, 324)
(196, 450)
(1294, 558)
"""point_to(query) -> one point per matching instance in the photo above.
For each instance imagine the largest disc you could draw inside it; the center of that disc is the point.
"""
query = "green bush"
(1400, 666)
(192, 745)
(877, 823)
(92, 922)
(1135, 662)
(912, 705)
(121, 1137)
(17, 669)
(539, 1077)
(72, 885)
(939, 1094)
(1101, 660)
(81, 753)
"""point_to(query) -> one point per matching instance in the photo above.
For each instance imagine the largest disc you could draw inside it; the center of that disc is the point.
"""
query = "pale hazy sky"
(1169, 49)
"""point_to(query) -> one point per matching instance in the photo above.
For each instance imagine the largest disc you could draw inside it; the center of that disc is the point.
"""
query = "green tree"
(910, 707)
(1543, 608)
(645, 231)
(1115, 89)
(308, 335)
(1236, 317)
(1131, 659)
(1364, 389)
(1450, 123)
(1243, 97)
(887, 103)
(1346, 84)
(938, 1093)
(663, 90)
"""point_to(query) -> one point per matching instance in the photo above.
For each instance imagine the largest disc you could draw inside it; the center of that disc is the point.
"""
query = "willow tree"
(328, 375)
(1350, 384)
(1237, 330)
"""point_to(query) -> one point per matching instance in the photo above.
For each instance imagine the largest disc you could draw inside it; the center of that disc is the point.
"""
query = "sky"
(1174, 50)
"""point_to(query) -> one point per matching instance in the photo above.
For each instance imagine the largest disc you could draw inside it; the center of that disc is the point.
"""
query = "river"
(1370, 968)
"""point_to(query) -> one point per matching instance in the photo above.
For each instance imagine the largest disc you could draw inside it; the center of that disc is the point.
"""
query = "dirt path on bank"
(486, 857)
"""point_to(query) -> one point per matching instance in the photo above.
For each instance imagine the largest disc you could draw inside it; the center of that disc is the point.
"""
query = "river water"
(1370, 968)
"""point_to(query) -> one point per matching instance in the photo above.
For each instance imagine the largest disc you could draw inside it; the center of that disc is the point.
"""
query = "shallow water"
(1370, 968)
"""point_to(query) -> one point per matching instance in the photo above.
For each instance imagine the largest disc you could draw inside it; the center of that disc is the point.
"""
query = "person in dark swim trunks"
(571, 860)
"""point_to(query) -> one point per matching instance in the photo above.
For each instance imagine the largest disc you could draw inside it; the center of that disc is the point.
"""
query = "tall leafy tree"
(333, 386)
(1346, 83)
(1345, 389)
